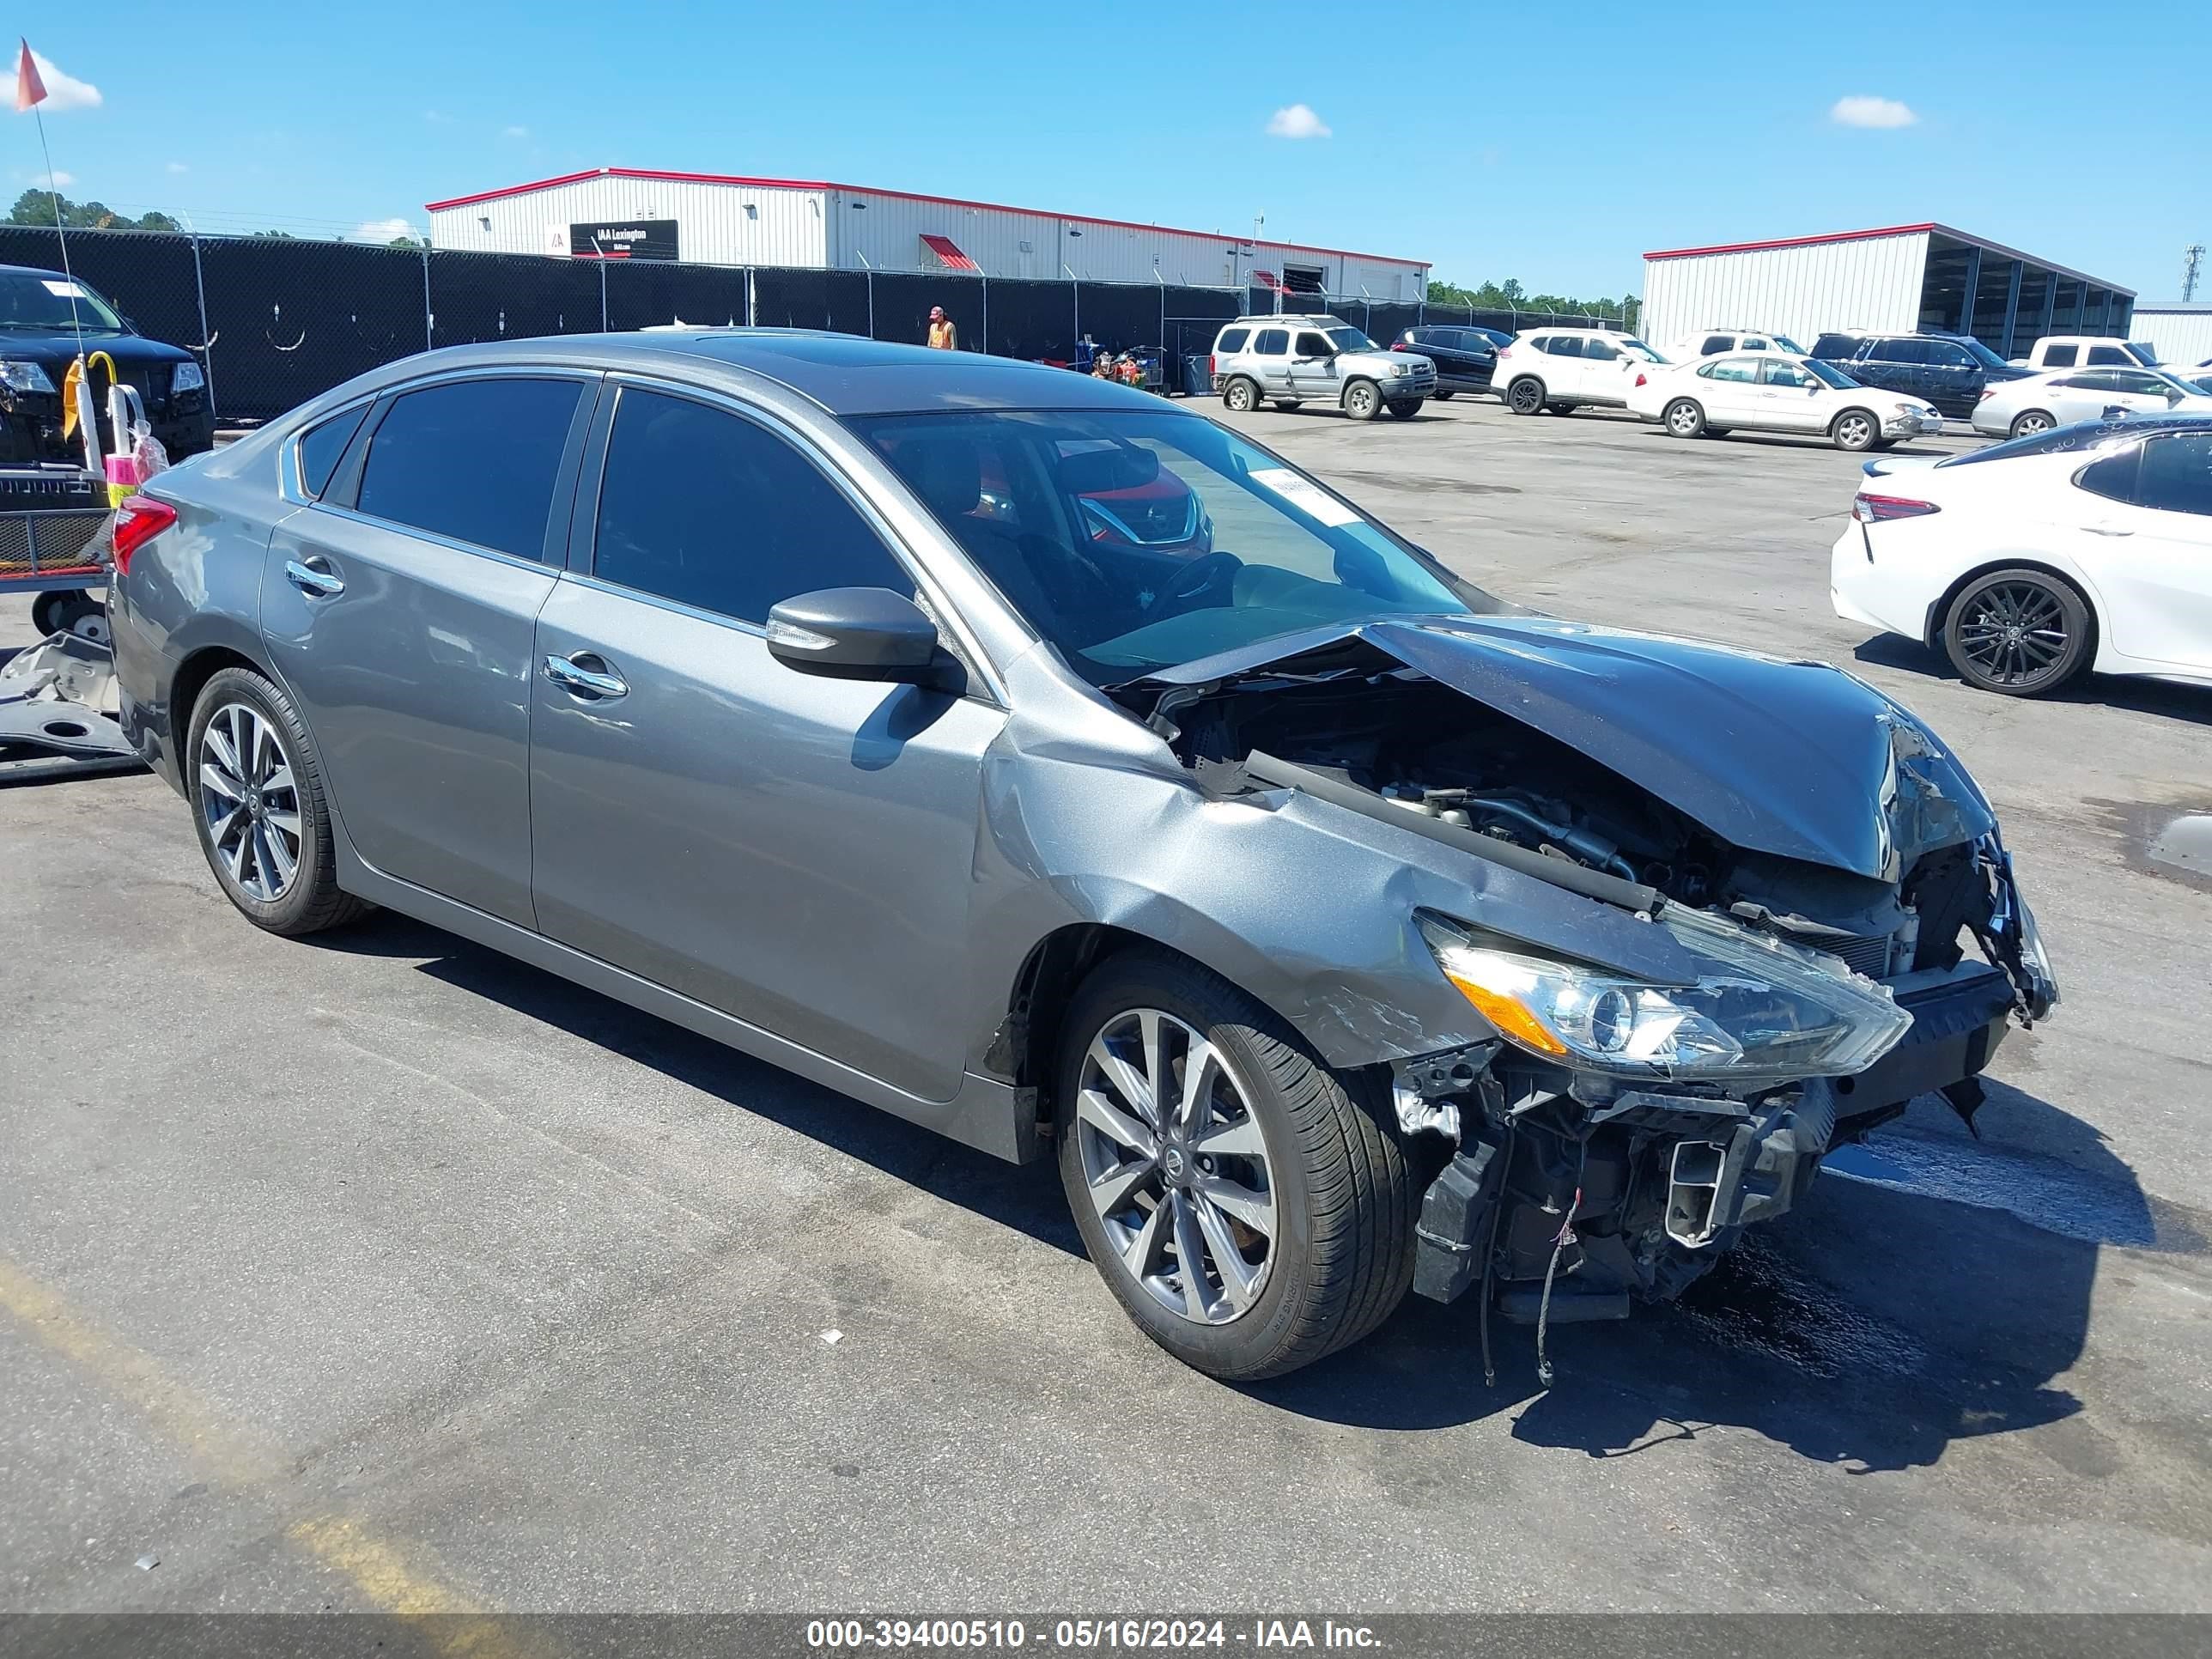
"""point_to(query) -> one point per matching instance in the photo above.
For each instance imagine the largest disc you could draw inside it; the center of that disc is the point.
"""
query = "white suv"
(1565, 368)
(1716, 342)
(1289, 361)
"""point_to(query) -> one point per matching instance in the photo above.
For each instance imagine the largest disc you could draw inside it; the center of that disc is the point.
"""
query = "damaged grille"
(1867, 955)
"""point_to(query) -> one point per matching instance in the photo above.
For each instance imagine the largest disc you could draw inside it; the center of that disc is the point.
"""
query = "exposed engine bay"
(1563, 1189)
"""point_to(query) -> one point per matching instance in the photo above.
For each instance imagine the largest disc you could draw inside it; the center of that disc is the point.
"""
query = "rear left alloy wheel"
(2031, 421)
(255, 783)
(1250, 1209)
(2019, 633)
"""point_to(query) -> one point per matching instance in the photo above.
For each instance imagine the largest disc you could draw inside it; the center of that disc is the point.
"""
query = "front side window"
(2176, 474)
(1311, 344)
(1944, 354)
(2135, 381)
(2108, 355)
(1273, 342)
(476, 460)
(1780, 371)
(769, 527)
(1600, 352)
(1233, 339)
(1133, 542)
(1715, 343)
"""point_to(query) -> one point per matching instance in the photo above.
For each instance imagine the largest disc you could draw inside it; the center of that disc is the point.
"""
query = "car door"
(1562, 365)
(793, 850)
(2148, 535)
(1893, 363)
(1953, 378)
(1270, 359)
(399, 609)
(1605, 377)
(1790, 398)
(1732, 395)
(1314, 374)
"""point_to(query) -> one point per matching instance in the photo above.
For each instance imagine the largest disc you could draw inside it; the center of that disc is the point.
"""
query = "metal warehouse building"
(2180, 332)
(1889, 280)
(714, 219)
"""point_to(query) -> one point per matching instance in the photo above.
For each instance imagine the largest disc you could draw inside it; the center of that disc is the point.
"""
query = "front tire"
(2029, 423)
(1684, 418)
(1241, 397)
(1260, 1218)
(1855, 430)
(1361, 401)
(256, 786)
(1525, 396)
(2019, 633)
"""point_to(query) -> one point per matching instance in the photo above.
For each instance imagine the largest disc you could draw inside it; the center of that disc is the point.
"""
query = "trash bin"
(1197, 376)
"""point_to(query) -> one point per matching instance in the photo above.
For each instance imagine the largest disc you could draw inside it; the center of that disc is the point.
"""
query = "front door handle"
(571, 674)
(314, 577)
(2106, 530)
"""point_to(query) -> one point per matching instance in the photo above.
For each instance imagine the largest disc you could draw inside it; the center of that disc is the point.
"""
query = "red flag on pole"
(29, 89)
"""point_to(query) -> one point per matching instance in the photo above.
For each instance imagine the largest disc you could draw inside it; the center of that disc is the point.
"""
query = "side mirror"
(861, 634)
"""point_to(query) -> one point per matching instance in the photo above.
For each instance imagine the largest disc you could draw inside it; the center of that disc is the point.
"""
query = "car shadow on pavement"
(1880, 1321)
(1025, 1197)
(2143, 696)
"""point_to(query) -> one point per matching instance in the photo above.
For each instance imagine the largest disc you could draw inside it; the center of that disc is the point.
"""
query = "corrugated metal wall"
(717, 224)
(767, 225)
(1873, 283)
(2182, 334)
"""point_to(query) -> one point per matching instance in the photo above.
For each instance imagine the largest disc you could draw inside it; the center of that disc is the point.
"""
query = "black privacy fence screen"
(277, 319)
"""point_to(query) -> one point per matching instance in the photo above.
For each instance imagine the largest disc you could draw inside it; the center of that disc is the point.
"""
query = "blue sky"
(1551, 145)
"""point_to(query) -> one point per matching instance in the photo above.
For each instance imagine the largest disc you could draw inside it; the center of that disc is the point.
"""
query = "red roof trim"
(914, 196)
(1792, 241)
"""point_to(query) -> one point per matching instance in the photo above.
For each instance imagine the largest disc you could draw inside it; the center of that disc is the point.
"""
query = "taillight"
(137, 522)
(1503, 352)
(1213, 367)
(1989, 392)
(1875, 509)
(1640, 379)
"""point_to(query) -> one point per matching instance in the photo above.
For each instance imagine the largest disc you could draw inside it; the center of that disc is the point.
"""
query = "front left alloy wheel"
(1250, 1209)
(255, 783)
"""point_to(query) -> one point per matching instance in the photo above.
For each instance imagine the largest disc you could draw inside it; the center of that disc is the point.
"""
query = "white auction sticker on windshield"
(66, 291)
(1304, 495)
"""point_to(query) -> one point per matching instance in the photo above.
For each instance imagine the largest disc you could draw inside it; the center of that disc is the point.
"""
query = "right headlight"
(1759, 1010)
(18, 374)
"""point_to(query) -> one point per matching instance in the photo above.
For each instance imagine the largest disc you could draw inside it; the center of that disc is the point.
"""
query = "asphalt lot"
(379, 1272)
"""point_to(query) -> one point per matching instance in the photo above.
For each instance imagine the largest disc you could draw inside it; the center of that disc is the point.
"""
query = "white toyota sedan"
(1777, 391)
(2087, 547)
(2016, 409)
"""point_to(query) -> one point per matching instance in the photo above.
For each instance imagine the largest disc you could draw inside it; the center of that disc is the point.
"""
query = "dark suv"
(1950, 371)
(1465, 357)
(44, 316)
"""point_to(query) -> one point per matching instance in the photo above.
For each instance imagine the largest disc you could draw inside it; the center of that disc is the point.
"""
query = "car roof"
(844, 373)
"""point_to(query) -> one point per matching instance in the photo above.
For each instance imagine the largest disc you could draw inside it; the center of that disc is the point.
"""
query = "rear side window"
(321, 449)
(476, 460)
(1716, 342)
(1564, 345)
(772, 526)
(1273, 342)
(2060, 357)
(1233, 339)
(1900, 351)
(2114, 476)
(2176, 474)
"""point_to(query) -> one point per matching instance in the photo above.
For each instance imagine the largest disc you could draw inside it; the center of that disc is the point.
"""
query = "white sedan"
(2029, 561)
(2016, 409)
(1770, 392)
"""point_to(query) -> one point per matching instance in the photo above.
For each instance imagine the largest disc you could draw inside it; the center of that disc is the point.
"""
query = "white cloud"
(1862, 111)
(1296, 121)
(63, 90)
(382, 230)
(514, 132)
(60, 180)
(176, 167)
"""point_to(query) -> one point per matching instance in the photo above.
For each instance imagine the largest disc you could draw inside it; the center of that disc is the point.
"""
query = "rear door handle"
(314, 577)
(2106, 530)
(571, 674)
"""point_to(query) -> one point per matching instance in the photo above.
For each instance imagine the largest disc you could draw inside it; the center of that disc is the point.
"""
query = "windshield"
(1135, 541)
(1827, 374)
(1348, 338)
(1630, 346)
(43, 302)
(1980, 352)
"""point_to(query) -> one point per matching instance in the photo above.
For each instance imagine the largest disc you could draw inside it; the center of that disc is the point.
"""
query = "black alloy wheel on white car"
(1525, 396)
(2021, 633)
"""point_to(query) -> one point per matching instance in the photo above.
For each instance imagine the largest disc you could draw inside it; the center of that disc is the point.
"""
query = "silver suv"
(1289, 361)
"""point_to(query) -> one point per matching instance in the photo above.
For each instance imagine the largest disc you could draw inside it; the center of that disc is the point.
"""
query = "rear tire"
(1338, 1191)
(1684, 418)
(1525, 396)
(1446, 397)
(1361, 401)
(1407, 409)
(2029, 423)
(2019, 633)
(1241, 396)
(1855, 430)
(258, 803)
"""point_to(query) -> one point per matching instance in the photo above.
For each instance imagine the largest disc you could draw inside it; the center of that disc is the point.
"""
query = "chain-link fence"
(277, 319)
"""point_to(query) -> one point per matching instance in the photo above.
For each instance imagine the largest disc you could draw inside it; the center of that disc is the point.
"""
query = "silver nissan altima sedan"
(1044, 764)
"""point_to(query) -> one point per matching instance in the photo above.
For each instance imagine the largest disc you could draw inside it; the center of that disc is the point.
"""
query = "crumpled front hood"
(1796, 759)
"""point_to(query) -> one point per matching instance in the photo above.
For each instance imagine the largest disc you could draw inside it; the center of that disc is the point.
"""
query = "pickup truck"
(2088, 351)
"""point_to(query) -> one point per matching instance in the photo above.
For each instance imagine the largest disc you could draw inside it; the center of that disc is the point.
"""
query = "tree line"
(37, 207)
(1510, 295)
